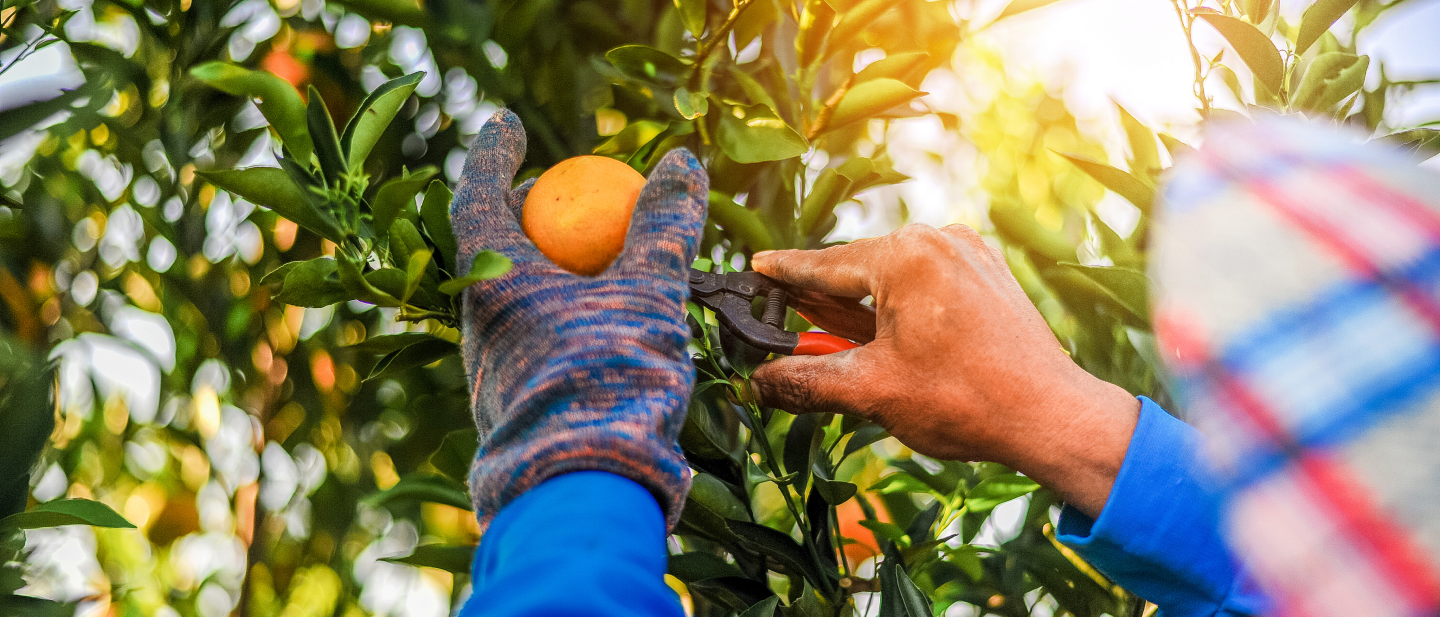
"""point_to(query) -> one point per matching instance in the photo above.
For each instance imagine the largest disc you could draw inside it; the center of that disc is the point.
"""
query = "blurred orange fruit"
(849, 515)
(578, 212)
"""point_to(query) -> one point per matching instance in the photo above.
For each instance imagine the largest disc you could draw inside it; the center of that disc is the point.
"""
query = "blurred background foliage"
(304, 454)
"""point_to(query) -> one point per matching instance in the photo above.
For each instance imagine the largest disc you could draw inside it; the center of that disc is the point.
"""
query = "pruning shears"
(729, 295)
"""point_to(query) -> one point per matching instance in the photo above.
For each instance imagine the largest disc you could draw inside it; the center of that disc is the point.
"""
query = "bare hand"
(961, 365)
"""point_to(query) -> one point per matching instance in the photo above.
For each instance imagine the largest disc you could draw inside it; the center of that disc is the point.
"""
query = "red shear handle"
(821, 343)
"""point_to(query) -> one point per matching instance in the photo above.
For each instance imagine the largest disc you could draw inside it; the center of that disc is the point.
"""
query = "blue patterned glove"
(568, 372)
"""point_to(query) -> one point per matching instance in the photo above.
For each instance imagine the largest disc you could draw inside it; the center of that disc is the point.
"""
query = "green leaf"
(900, 483)
(67, 512)
(487, 265)
(1144, 156)
(1317, 19)
(647, 64)
(714, 495)
(1425, 142)
(415, 272)
(763, 608)
(829, 189)
(811, 604)
(327, 144)
(1017, 7)
(21, 118)
(733, 592)
(742, 223)
(901, 598)
(1127, 287)
(419, 354)
(1124, 184)
(996, 490)
(1175, 147)
(272, 188)
(456, 453)
(386, 343)
(1257, 10)
(1330, 78)
(835, 492)
(864, 436)
(631, 138)
(280, 102)
(435, 214)
(396, 195)
(907, 68)
(405, 240)
(690, 567)
(867, 99)
(860, 16)
(692, 14)
(757, 93)
(888, 531)
(415, 487)
(776, 545)
(455, 559)
(691, 105)
(374, 116)
(1253, 46)
(313, 283)
(757, 135)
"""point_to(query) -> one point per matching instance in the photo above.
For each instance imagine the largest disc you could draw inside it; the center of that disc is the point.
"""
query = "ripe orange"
(849, 515)
(578, 212)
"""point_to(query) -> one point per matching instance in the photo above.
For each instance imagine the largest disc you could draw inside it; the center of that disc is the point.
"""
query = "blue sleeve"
(1159, 535)
(584, 543)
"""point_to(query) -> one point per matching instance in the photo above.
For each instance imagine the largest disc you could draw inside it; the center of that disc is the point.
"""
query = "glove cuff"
(503, 473)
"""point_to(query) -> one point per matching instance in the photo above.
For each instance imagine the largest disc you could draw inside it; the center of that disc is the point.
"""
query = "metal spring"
(774, 308)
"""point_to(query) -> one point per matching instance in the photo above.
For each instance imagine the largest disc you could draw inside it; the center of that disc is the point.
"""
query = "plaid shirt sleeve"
(1158, 534)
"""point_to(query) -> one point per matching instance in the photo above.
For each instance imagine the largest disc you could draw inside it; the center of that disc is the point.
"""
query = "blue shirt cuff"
(1158, 533)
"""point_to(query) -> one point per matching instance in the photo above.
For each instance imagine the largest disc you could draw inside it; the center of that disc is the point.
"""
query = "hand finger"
(847, 271)
(811, 384)
(845, 317)
(480, 213)
(516, 200)
(665, 229)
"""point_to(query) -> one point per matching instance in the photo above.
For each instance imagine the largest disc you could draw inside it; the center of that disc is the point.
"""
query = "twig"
(822, 119)
(722, 33)
(1186, 20)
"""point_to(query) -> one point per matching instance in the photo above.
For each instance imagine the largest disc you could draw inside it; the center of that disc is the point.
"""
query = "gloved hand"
(568, 372)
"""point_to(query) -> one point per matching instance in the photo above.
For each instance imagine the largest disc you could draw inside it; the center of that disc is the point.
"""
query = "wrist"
(1082, 447)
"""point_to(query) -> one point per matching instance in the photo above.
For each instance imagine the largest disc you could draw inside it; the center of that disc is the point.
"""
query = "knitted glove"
(569, 372)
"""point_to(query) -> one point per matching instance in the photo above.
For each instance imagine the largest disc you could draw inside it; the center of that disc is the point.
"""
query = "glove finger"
(665, 229)
(517, 200)
(480, 213)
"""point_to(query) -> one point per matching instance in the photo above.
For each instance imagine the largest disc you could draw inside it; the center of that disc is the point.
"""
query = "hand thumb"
(811, 384)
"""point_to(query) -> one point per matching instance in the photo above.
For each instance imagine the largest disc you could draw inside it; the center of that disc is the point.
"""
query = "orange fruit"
(578, 212)
(849, 515)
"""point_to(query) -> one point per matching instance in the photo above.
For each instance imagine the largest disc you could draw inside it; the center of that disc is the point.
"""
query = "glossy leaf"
(322, 134)
(1144, 156)
(435, 213)
(744, 224)
(907, 68)
(1330, 78)
(860, 16)
(691, 105)
(763, 608)
(1129, 288)
(373, 116)
(996, 490)
(835, 492)
(775, 545)
(647, 64)
(436, 489)
(1253, 46)
(828, 190)
(487, 265)
(280, 102)
(1123, 183)
(456, 453)
(870, 98)
(711, 493)
(692, 14)
(397, 194)
(901, 598)
(63, 512)
(273, 188)
(758, 136)
(314, 283)
(691, 567)
(733, 592)
(414, 356)
(453, 559)
(1318, 19)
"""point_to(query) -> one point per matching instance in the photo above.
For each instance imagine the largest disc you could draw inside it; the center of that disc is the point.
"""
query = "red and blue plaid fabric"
(1297, 278)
